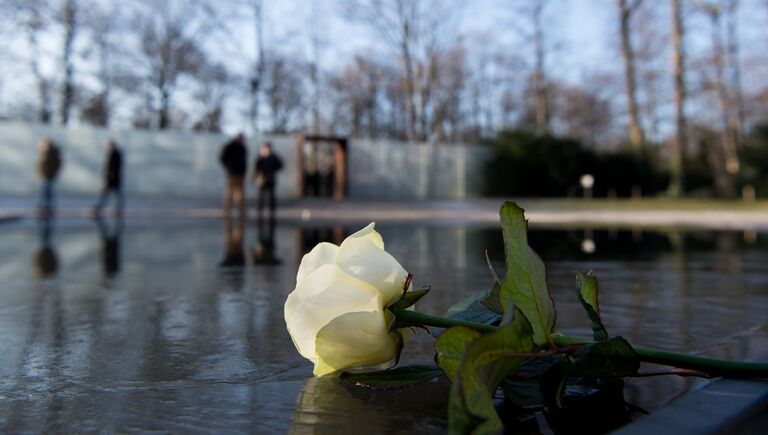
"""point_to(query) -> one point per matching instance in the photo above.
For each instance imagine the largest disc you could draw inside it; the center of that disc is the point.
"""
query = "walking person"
(113, 172)
(48, 166)
(265, 174)
(234, 158)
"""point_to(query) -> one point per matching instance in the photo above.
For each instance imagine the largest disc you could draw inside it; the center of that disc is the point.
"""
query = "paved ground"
(475, 211)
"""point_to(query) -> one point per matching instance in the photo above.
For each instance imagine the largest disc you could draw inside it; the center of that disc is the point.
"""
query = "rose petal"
(324, 294)
(323, 253)
(357, 340)
(362, 257)
(370, 233)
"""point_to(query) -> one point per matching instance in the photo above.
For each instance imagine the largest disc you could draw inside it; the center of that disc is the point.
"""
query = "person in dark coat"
(48, 166)
(113, 172)
(265, 174)
(234, 158)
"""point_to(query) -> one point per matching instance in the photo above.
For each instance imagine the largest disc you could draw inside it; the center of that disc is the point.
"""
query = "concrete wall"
(186, 165)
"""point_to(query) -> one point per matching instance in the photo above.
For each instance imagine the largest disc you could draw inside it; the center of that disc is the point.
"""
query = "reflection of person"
(112, 178)
(110, 246)
(234, 256)
(48, 166)
(265, 174)
(45, 260)
(234, 158)
(263, 252)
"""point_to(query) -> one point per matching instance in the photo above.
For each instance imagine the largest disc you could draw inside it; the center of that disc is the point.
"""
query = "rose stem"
(712, 366)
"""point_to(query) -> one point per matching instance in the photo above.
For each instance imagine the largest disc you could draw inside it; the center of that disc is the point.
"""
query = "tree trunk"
(724, 179)
(679, 145)
(636, 135)
(68, 88)
(539, 81)
(737, 112)
(409, 85)
(43, 85)
(258, 70)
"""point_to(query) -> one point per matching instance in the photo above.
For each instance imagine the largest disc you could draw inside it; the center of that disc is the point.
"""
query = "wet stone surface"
(178, 326)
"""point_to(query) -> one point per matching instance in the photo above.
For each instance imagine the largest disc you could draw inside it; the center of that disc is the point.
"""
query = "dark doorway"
(322, 166)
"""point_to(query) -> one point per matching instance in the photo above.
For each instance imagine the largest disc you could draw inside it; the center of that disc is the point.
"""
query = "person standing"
(113, 172)
(48, 166)
(234, 158)
(265, 174)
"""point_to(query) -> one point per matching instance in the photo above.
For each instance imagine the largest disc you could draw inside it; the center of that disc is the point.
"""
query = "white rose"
(337, 313)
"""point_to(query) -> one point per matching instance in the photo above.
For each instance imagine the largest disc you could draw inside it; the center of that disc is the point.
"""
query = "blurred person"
(45, 260)
(265, 174)
(234, 158)
(48, 166)
(113, 171)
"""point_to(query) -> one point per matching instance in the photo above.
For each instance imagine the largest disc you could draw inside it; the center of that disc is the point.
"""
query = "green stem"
(712, 366)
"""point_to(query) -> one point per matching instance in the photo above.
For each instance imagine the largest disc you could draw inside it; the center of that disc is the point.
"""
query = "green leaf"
(523, 392)
(471, 309)
(524, 388)
(450, 346)
(614, 357)
(588, 296)
(493, 300)
(394, 378)
(410, 298)
(487, 361)
(525, 283)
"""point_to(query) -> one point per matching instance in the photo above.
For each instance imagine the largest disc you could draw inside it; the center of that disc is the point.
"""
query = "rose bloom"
(337, 313)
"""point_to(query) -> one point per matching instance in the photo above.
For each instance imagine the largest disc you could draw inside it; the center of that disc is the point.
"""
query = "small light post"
(587, 181)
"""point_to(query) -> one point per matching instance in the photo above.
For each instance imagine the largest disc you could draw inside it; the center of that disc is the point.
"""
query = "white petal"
(363, 258)
(322, 253)
(356, 340)
(324, 294)
(370, 233)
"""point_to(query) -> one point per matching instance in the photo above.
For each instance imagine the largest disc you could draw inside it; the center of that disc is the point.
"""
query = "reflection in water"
(110, 244)
(328, 405)
(263, 252)
(180, 344)
(234, 255)
(45, 260)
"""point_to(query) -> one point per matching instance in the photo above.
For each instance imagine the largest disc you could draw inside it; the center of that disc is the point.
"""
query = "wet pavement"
(176, 325)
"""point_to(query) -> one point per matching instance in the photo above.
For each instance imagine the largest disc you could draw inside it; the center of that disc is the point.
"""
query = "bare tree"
(356, 92)
(447, 112)
(258, 63)
(213, 82)
(734, 65)
(33, 17)
(679, 144)
(723, 158)
(418, 31)
(70, 19)
(170, 45)
(539, 77)
(284, 89)
(626, 9)
(103, 22)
